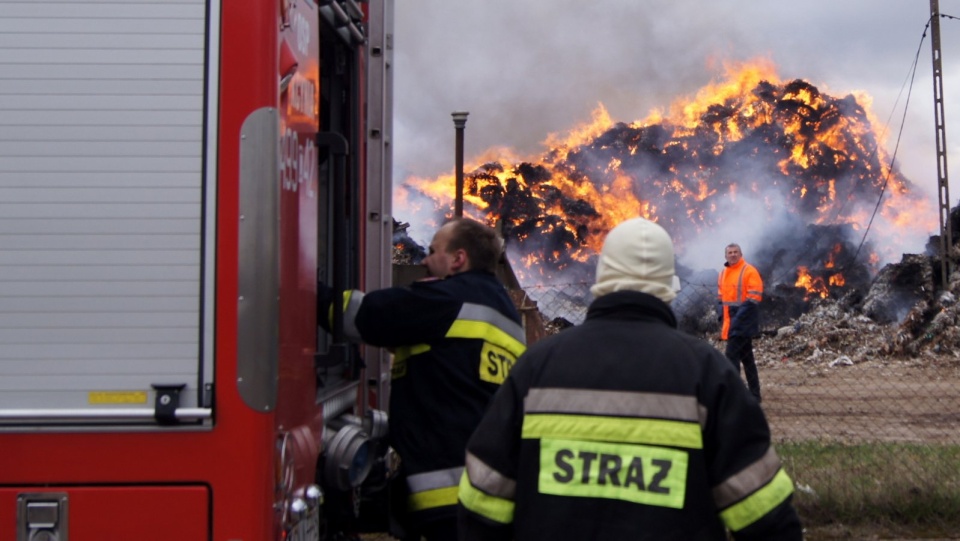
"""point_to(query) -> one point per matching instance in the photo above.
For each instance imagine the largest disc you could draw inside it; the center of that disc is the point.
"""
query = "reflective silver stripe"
(721, 281)
(431, 480)
(747, 481)
(743, 269)
(352, 301)
(616, 403)
(479, 312)
(488, 479)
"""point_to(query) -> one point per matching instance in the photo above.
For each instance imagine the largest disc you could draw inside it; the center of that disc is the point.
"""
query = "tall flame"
(787, 148)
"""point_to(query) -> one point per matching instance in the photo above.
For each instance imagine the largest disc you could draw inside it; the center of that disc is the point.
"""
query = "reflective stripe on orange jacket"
(738, 285)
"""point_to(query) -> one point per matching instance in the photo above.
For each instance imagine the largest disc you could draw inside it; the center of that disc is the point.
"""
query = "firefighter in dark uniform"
(454, 338)
(625, 427)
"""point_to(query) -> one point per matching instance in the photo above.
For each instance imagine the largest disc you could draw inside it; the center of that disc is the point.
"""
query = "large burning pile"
(793, 174)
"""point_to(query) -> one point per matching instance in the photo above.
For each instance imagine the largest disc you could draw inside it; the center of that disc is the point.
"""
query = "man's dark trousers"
(740, 351)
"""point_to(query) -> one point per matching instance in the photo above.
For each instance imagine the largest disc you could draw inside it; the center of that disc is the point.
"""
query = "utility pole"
(459, 121)
(946, 236)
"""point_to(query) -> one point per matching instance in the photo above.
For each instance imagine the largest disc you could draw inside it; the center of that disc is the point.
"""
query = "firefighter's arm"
(401, 316)
(388, 317)
(350, 304)
(752, 491)
(487, 495)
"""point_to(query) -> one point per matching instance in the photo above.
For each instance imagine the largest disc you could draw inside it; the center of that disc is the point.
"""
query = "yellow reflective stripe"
(400, 356)
(429, 499)
(761, 502)
(403, 353)
(437, 488)
(352, 299)
(482, 330)
(748, 480)
(615, 403)
(480, 312)
(398, 369)
(494, 508)
(615, 429)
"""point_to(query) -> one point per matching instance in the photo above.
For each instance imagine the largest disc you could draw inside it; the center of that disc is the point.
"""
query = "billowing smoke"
(795, 176)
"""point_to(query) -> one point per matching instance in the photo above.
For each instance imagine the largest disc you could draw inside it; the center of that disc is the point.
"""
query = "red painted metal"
(218, 484)
(297, 412)
(144, 513)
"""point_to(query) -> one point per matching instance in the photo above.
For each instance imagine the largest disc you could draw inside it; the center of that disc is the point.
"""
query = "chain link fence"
(864, 415)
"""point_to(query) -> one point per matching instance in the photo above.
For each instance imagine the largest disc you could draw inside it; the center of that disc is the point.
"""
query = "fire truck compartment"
(91, 513)
(105, 241)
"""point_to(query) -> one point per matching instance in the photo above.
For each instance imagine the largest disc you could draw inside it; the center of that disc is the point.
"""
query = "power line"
(910, 78)
(903, 121)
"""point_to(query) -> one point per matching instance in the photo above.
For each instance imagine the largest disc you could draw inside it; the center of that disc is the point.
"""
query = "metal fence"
(859, 417)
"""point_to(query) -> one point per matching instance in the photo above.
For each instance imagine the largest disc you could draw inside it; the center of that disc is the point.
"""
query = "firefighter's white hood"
(637, 255)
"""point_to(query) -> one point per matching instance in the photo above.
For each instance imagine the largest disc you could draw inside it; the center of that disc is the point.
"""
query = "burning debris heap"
(903, 312)
(799, 171)
(783, 159)
(904, 315)
(406, 251)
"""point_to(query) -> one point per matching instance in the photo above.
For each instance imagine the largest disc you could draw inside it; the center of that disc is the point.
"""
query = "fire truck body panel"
(165, 212)
(102, 206)
(145, 513)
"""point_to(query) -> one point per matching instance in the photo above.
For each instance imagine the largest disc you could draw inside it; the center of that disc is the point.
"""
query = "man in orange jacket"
(740, 290)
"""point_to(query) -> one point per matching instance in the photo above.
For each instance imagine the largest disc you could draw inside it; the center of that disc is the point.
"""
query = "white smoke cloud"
(528, 69)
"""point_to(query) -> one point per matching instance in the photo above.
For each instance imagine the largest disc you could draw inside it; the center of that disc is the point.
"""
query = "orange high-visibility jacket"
(740, 289)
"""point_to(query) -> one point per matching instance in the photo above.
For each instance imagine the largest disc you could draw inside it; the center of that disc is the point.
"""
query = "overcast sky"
(527, 68)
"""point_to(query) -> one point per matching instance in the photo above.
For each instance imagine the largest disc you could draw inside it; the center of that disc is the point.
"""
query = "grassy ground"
(875, 491)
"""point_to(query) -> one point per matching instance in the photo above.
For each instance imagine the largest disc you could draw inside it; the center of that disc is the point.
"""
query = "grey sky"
(528, 68)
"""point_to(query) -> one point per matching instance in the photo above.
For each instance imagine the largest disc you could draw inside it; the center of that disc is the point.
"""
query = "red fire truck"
(175, 178)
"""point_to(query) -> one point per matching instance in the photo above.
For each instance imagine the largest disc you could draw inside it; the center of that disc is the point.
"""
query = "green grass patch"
(896, 487)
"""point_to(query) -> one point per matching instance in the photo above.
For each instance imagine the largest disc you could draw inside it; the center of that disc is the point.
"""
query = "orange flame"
(813, 284)
(667, 168)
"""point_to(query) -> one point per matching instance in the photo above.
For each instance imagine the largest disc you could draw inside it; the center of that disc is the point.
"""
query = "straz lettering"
(495, 363)
(636, 473)
(302, 98)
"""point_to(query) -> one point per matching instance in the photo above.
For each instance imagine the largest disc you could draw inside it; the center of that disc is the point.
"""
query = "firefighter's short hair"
(482, 243)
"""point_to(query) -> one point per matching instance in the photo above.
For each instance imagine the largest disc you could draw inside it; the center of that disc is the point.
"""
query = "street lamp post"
(459, 121)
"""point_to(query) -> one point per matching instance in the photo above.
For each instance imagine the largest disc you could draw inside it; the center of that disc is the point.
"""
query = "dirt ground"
(838, 395)
(902, 400)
